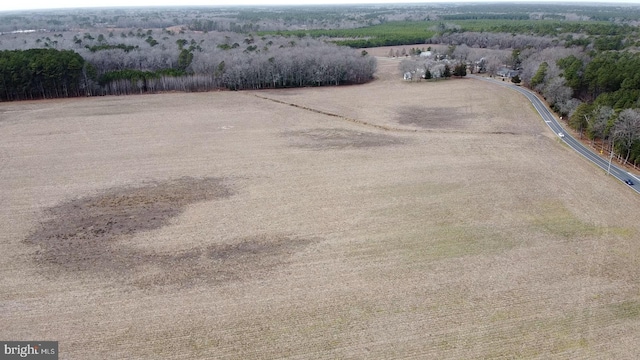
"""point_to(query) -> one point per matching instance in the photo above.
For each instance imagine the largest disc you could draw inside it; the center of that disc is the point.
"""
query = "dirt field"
(389, 220)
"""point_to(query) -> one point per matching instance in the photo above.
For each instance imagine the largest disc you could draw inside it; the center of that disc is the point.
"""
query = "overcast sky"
(6, 5)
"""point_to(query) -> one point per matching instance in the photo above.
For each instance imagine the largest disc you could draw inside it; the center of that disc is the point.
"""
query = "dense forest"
(582, 59)
(41, 73)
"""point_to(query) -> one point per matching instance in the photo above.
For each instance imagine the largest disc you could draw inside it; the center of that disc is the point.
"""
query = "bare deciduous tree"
(599, 122)
(626, 130)
(555, 92)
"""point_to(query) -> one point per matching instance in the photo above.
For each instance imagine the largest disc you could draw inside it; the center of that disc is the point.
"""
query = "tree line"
(99, 65)
(544, 27)
(41, 74)
(598, 91)
(606, 89)
(243, 18)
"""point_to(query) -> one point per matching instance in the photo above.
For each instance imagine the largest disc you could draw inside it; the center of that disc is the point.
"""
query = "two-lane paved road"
(555, 126)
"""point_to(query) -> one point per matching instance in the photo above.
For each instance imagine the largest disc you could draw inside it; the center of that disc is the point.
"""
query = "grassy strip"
(387, 34)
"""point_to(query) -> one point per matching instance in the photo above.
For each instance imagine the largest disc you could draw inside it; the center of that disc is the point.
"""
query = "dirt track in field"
(387, 220)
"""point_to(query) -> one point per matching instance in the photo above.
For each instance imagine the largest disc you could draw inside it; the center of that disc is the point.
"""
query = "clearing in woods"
(387, 220)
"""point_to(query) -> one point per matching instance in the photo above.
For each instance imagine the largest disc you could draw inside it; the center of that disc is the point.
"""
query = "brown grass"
(388, 220)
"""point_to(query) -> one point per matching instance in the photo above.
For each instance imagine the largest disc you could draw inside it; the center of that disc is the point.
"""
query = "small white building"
(507, 73)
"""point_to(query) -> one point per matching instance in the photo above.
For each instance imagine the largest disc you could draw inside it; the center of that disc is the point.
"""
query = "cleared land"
(389, 220)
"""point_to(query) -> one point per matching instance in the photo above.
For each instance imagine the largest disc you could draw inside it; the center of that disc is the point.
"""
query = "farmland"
(581, 59)
(386, 220)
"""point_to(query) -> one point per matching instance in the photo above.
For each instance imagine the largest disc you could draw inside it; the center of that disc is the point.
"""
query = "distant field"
(388, 220)
(387, 34)
(394, 33)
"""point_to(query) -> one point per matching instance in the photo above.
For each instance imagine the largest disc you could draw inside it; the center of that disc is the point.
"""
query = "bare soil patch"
(241, 260)
(435, 117)
(80, 235)
(89, 235)
(340, 139)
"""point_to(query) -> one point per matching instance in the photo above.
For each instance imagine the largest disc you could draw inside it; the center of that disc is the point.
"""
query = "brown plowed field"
(425, 220)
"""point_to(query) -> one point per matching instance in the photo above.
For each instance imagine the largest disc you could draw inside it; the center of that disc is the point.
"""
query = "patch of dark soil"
(79, 234)
(340, 139)
(89, 235)
(433, 117)
(503, 133)
(243, 259)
